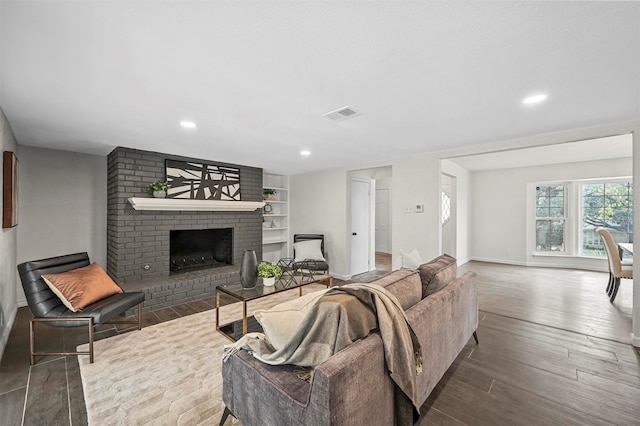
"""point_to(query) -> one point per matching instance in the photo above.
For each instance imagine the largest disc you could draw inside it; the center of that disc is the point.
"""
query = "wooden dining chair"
(617, 267)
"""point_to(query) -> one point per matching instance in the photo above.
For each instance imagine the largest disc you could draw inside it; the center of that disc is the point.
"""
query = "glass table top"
(284, 283)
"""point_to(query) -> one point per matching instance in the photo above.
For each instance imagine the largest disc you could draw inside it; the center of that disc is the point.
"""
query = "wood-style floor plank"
(550, 409)
(573, 394)
(572, 300)
(48, 398)
(433, 417)
(472, 406)
(12, 406)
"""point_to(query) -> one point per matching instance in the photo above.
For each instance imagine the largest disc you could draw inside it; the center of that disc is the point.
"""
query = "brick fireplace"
(139, 249)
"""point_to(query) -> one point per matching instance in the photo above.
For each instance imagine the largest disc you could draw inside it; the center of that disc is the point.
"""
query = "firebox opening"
(195, 249)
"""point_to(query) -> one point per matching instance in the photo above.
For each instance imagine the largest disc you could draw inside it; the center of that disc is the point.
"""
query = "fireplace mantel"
(177, 204)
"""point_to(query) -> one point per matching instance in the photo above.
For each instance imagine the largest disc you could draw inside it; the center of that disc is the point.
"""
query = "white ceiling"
(88, 76)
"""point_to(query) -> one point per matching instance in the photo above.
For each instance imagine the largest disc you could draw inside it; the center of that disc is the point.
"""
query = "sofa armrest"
(444, 322)
(356, 384)
(352, 384)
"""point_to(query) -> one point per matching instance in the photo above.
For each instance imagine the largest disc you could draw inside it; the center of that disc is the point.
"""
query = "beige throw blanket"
(325, 323)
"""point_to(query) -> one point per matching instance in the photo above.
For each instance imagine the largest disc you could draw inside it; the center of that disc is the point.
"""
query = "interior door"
(360, 226)
(382, 221)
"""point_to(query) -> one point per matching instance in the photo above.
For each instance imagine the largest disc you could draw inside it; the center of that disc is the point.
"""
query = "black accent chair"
(311, 265)
(47, 308)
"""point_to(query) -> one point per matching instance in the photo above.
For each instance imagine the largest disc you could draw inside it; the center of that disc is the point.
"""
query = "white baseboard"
(506, 262)
(540, 264)
(341, 277)
(635, 340)
(566, 266)
(461, 262)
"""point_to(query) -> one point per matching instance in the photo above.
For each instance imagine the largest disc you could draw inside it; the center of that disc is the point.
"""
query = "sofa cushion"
(404, 284)
(436, 274)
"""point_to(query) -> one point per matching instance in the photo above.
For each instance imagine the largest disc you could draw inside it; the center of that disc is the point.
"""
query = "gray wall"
(63, 205)
(8, 239)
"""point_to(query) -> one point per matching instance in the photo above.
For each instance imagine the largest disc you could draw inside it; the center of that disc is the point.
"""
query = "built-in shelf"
(275, 233)
(274, 242)
(177, 204)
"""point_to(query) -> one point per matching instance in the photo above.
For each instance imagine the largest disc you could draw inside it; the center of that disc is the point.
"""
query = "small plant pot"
(269, 282)
(159, 194)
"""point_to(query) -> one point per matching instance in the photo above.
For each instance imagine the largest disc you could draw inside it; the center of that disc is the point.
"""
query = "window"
(567, 215)
(550, 218)
(609, 205)
(446, 208)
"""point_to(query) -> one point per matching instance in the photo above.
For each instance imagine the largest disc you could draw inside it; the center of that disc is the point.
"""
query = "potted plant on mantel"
(269, 272)
(159, 189)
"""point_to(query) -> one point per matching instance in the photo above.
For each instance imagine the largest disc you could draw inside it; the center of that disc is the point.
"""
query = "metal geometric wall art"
(202, 181)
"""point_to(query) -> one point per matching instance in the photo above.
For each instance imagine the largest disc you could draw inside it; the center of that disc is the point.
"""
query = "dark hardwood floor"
(552, 350)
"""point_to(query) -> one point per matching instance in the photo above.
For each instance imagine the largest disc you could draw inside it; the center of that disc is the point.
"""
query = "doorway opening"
(370, 220)
(448, 214)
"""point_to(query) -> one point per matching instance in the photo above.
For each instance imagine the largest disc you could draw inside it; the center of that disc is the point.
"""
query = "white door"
(360, 228)
(382, 220)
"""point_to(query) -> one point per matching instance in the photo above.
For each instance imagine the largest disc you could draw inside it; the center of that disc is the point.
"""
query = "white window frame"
(564, 218)
(572, 212)
(580, 212)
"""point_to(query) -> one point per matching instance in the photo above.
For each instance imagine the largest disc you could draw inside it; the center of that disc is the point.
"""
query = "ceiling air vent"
(342, 114)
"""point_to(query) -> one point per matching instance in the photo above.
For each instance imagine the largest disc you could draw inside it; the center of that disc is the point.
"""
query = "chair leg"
(475, 336)
(139, 316)
(610, 284)
(32, 337)
(614, 290)
(225, 414)
(90, 340)
(32, 343)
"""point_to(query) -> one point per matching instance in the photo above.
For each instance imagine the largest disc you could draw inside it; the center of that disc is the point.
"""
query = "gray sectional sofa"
(353, 387)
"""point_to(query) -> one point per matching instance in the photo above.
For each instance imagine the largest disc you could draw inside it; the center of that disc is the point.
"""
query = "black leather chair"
(311, 265)
(46, 307)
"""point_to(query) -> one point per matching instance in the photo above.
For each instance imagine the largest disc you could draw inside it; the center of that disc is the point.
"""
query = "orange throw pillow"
(81, 287)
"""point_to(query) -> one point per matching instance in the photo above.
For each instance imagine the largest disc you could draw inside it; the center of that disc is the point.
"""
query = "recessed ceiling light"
(305, 153)
(188, 124)
(535, 98)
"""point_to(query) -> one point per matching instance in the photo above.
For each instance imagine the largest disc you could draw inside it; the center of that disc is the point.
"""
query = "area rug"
(166, 374)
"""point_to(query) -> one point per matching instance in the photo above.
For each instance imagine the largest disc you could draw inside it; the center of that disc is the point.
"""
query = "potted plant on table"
(159, 189)
(269, 272)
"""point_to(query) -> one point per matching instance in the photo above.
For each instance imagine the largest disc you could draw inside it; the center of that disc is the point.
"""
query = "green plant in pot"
(268, 193)
(159, 189)
(269, 272)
